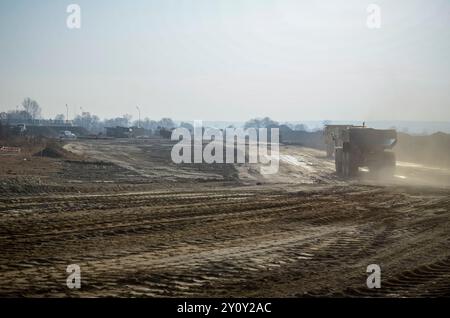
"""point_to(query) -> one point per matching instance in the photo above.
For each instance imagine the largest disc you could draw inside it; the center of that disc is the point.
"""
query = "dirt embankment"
(433, 150)
(38, 146)
(54, 149)
(303, 138)
(38, 162)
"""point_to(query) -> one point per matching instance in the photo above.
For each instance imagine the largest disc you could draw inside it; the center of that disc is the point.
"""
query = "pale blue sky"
(230, 59)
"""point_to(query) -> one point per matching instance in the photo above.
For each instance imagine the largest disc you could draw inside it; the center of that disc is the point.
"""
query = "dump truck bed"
(368, 139)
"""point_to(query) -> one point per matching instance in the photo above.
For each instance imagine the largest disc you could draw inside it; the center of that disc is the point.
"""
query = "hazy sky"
(229, 60)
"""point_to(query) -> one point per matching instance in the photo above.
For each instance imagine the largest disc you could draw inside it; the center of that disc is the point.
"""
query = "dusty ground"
(139, 225)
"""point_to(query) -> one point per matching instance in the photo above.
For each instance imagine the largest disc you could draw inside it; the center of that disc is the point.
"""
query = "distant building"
(125, 132)
(23, 118)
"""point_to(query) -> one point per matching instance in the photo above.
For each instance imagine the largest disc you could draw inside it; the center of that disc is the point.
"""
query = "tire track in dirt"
(247, 242)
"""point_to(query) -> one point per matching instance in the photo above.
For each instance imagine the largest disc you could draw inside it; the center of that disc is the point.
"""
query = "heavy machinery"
(359, 146)
(67, 134)
(332, 135)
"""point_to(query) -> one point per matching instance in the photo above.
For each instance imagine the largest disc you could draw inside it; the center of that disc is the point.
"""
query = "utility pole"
(67, 114)
(139, 120)
(82, 121)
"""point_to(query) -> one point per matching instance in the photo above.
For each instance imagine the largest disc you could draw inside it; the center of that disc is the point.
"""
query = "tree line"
(31, 110)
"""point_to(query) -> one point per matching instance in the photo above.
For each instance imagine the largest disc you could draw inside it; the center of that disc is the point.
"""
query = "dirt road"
(220, 238)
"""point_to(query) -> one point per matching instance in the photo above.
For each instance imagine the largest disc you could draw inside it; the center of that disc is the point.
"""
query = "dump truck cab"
(332, 135)
(366, 147)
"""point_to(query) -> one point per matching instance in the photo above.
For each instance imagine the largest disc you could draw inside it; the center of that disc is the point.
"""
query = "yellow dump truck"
(359, 146)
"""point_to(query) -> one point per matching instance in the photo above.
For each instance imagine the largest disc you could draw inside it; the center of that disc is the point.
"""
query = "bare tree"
(60, 117)
(18, 115)
(301, 127)
(31, 107)
(265, 122)
(166, 123)
(127, 119)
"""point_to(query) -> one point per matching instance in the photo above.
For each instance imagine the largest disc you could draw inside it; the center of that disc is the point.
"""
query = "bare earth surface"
(139, 225)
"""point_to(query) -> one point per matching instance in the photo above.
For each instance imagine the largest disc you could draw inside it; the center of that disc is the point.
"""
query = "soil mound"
(431, 149)
(53, 151)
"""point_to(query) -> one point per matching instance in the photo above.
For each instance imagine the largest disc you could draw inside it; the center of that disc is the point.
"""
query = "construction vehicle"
(19, 129)
(359, 146)
(332, 135)
(67, 134)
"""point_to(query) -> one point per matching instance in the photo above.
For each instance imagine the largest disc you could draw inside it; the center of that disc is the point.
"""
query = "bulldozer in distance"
(358, 146)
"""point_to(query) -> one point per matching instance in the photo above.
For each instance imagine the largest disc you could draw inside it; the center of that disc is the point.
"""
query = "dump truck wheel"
(349, 168)
(346, 164)
(338, 161)
(383, 164)
(353, 169)
(389, 163)
(330, 151)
